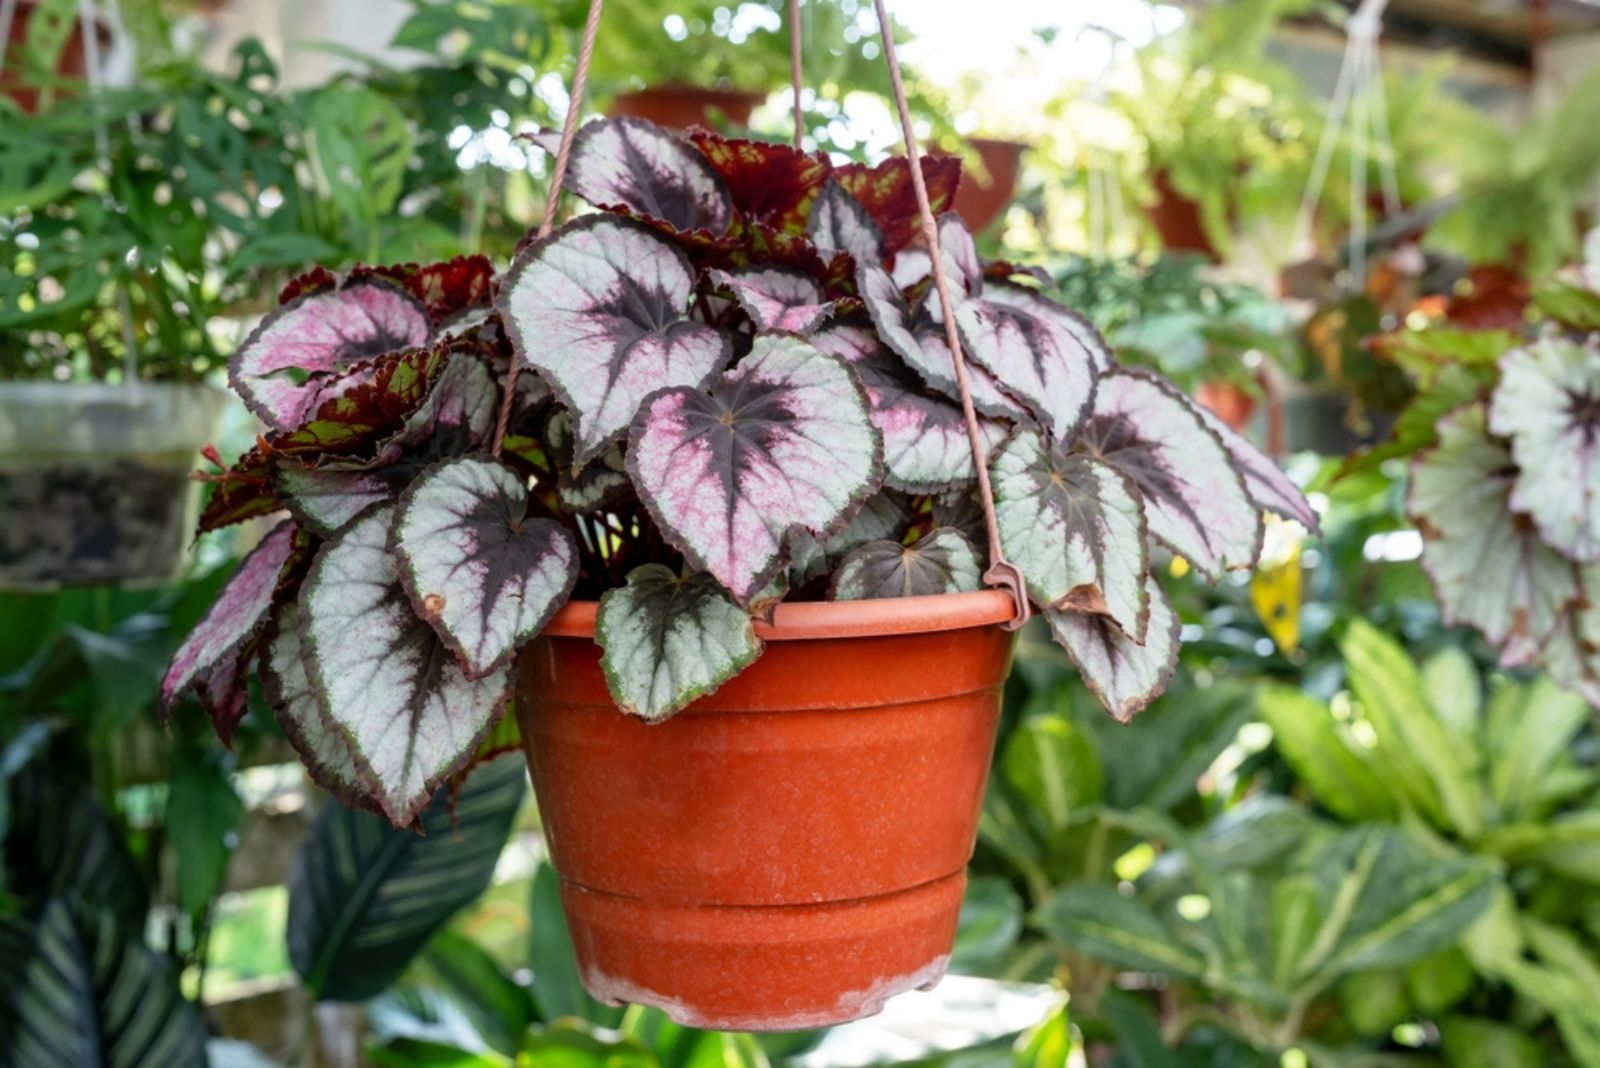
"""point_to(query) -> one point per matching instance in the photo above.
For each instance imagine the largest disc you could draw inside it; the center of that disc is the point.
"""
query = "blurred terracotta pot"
(682, 106)
(790, 851)
(980, 200)
(1227, 402)
(1177, 220)
(72, 63)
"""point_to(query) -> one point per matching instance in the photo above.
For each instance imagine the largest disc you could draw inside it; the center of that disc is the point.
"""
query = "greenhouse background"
(1361, 827)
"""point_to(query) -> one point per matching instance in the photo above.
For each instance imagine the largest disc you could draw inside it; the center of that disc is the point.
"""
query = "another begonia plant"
(734, 389)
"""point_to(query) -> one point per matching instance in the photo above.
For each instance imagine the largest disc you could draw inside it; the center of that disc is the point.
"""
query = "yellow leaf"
(1275, 588)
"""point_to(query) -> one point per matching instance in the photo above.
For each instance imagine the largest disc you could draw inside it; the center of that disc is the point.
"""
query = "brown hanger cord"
(558, 176)
(1001, 571)
(794, 73)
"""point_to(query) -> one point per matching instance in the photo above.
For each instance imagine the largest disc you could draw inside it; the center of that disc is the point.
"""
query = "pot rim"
(807, 620)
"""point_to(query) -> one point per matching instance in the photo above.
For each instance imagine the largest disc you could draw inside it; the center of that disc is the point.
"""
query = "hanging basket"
(72, 63)
(680, 107)
(94, 480)
(791, 851)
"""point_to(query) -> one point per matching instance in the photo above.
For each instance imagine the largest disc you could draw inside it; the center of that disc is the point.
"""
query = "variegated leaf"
(769, 183)
(325, 499)
(777, 298)
(1268, 486)
(925, 443)
(1489, 566)
(483, 574)
(383, 677)
(281, 369)
(669, 640)
(601, 482)
(839, 223)
(887, 193)
(224, 694)
(1572, 652)
(884, 516)
(1082, 334)
(238, 613)
(920, 342)
(1548, 404)
(1124, 675)
(599, 308)
(1194, 499)
(785, 441)
(1075, 527)
(637, 165)
(287, 688)
(942, 562)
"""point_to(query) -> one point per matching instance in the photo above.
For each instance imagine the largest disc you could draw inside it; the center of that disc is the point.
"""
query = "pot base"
(767, 967)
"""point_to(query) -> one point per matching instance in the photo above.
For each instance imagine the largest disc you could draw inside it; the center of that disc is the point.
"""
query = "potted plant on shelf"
(44, 49)
(728, 554)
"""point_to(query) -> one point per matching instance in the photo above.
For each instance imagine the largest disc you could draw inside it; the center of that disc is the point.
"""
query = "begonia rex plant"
(734, 390)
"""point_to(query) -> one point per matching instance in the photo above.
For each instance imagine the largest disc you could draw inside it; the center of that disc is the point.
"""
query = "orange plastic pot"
(679, 107)
(790, 851)
(981, 198)
(1176, 219)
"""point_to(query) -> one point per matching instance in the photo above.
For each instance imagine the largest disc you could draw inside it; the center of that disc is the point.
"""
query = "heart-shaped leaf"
(637, 165)
(385, 680)
(236, 615)
(599, 309)
(884, 517)
(282, 367)
(1194, 499)
(1076, 528)
(942, 562)
(1124, 675)
(447, 289)
(1489, 566)
(784, 441)
(326, 499)
(669, 640)
(1268, 486)
(839, 223)
(364, 898)
(286, 685)
(83, 989)
(1548, 404)
(601, 482)
(925, 443)
(769, 183)
(483, 574)
(886, 191)
(777, 298)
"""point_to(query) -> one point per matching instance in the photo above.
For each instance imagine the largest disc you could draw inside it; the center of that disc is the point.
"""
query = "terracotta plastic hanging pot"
(790, 851)
(1177, 220)
(1228, 402)
(979, 198)
(72, 62)
(679, 107)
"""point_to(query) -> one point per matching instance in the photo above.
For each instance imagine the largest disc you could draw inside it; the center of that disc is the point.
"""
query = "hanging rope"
(1001, 571)
(558, 175)
(794, 74)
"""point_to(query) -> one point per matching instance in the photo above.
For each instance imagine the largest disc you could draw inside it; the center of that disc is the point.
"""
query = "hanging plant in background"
(734, 389)
(1504, 440)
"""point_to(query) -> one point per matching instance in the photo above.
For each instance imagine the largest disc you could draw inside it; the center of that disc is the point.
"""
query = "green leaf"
(1526, 740)
(1573, 306)
(365, 897)
(363, 145)
(991, 923)
(62, 842)
(83, 989)
(427, 1053)
(1432, 764)
(557, 989)
(1467, 1042)
(203, 816)
(1325, 757)
(1568, 844)
(1374, 1002)
(1455, 693)
(1095, 919)
(1297, 914)
(1138, 1032)
(499, 1010)
(1048, 1045)
(1439, 980)
(566, 1046)
(1389, 901)
(1051, 764)
(669, 640)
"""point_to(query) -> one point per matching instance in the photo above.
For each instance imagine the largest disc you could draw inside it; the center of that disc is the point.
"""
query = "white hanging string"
(1358, 94)
(8, 9)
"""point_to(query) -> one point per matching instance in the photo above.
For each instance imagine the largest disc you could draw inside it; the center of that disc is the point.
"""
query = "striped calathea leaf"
(600, 309)
(670, 638)
(1126, 675)
(925, 443)
(943, 562)
(1075, 526)
(1489, 566)
(776, 298)
(1547, 404)
(784, 442)
(410, 712)
(1195, 500)
(484, 575)
(282, 369)
(214, 657)
(633, 164)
